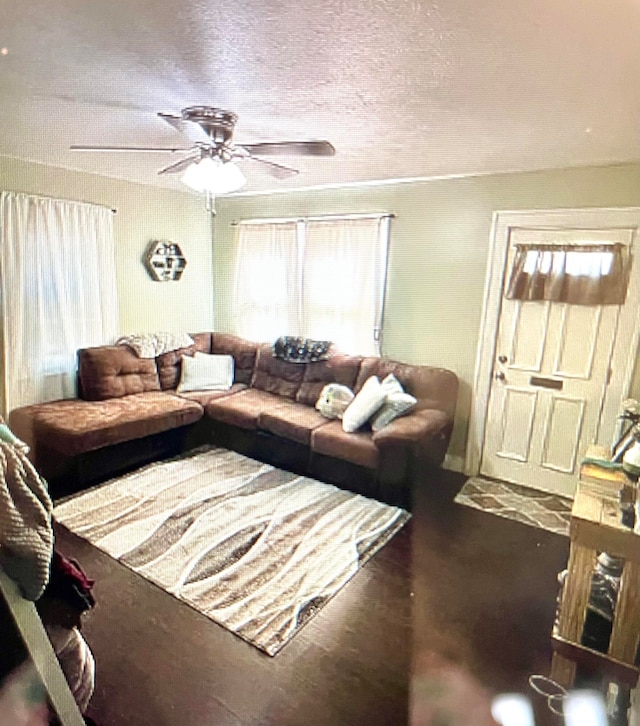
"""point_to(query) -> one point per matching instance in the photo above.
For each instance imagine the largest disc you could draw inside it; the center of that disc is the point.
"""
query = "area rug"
(256, 549)
(522, 504)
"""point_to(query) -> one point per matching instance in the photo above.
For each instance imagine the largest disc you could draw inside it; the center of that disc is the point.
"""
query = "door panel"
(562, 433)
(577, 341)
(550, 374)
(529, 332)
(517, 423)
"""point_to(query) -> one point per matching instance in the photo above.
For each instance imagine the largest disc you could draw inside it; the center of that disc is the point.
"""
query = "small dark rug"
(522, 504)
(256, 549)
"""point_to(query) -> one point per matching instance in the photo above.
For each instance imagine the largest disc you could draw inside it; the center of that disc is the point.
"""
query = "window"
(585, 274)
(57, 279)
(317, 278)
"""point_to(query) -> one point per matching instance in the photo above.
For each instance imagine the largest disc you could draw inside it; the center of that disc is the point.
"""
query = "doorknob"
(502, 359)
(500, 376)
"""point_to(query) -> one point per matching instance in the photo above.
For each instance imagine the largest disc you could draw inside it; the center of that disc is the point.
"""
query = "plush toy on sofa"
(334, 400)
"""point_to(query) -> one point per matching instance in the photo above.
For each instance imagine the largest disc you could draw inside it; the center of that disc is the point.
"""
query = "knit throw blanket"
(26, 534)
(150, 345)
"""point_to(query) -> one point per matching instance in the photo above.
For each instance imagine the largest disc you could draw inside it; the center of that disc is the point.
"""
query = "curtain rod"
(58, 199)
(317, 218)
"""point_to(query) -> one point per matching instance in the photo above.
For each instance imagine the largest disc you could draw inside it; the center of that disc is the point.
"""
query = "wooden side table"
(596, 527)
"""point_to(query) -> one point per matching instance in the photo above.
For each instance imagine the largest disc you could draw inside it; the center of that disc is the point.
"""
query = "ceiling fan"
(211, 131)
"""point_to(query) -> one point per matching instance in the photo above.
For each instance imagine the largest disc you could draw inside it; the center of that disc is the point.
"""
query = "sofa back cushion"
(113, 371)
(433, 387)
(170, 364)
(276, 376)
(243, 351)
(339, 368)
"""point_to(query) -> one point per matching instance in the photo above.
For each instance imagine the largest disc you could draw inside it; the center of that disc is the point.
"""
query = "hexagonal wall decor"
(164, 261)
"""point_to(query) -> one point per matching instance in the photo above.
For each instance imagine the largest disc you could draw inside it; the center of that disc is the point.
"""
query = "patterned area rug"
(529, 506)
(256, 549)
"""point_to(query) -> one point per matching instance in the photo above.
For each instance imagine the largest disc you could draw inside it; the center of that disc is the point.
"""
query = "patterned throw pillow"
(396, 403)
(301, 350)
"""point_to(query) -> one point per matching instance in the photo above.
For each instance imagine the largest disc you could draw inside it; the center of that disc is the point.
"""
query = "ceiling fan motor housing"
(213, 140)
(217, 123)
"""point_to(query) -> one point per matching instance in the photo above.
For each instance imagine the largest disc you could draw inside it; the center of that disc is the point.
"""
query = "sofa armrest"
(425, 433)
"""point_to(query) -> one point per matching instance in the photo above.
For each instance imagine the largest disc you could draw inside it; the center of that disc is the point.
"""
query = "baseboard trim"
(453, 463)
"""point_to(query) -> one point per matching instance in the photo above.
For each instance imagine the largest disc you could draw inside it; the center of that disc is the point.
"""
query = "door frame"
(628, 321)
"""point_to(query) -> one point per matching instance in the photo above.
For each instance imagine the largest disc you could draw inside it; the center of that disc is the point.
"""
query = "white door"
(550, 373)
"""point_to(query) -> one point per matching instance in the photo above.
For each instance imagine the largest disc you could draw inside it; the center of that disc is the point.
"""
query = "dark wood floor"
(457, 607)
(485, 598)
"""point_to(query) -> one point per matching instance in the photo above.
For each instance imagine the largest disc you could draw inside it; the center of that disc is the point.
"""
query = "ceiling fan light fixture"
(214, 176)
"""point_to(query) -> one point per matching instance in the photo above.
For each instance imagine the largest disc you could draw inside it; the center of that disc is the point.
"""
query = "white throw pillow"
(396, 403)
(204, 372)
(369, 399)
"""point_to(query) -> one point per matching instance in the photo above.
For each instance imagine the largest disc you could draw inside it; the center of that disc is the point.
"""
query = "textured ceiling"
(402, 88)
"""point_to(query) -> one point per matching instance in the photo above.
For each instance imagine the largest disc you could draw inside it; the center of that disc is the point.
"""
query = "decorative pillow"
(391, 384)
(396, 403)
(204, 372)
(334, 400)
(301, 350)
(150, 345)
(369, 399)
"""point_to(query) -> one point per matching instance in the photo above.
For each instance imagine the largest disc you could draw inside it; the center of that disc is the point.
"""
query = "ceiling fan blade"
(144, 149)
(278, 171)
(290, 148)
(191, 130)
(179, 165)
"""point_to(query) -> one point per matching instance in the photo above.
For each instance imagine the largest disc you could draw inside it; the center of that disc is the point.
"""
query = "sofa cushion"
(358, 447)
(276, 376)
(243, 352)
(291, 420)
(170, 364)
(339, 368)
(203, 397)
(242, 409)
(433, 387)
(424, 434)
(113, 371)
(74, 426)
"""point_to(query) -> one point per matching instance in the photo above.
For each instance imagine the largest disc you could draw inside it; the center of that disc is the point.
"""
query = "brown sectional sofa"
(128, 412)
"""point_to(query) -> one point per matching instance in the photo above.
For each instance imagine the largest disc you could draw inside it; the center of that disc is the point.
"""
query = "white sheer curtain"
(343, 282)
(320, 279)
(266, 292)
(58, 292)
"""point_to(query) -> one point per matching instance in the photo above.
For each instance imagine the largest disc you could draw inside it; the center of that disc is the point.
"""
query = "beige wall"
(438, 252)
(143, 214)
